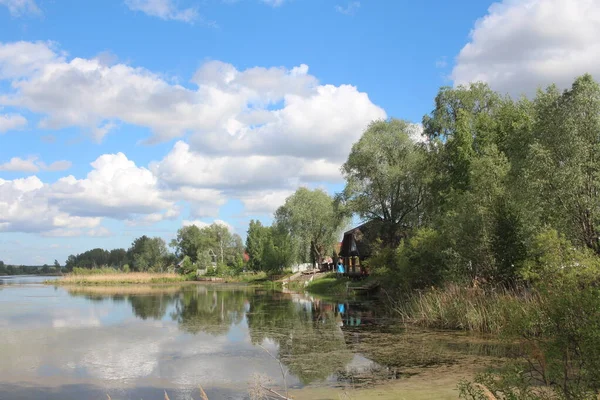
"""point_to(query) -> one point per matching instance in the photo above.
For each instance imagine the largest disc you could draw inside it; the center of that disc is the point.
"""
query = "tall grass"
(464, 308)
(119, 278)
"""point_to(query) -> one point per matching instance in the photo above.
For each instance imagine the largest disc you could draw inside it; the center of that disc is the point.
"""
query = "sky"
(120, 118)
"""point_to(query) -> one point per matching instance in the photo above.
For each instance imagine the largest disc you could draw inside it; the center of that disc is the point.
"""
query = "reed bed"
(119, 279)
(470, 309)
(124, 290)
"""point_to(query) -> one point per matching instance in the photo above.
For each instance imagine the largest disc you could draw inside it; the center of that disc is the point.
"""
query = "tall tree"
(257, 238)
(148, 254)
(386, 179)
(311, 219)
(563, 166)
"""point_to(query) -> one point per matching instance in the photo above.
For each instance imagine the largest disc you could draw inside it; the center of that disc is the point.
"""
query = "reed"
(119, 279)
(465, 308)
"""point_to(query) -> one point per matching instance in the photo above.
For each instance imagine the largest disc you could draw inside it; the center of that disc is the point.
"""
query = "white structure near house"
(301, 267)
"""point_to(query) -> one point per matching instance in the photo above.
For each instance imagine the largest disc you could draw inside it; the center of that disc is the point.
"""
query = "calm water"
(135, 342)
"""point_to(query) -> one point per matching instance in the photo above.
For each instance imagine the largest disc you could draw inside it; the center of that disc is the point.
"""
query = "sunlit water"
(135, 342)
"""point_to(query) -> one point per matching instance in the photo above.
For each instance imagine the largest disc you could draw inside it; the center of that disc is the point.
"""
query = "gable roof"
(357, 241)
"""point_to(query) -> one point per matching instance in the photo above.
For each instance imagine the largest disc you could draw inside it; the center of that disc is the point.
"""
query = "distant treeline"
(6, 269)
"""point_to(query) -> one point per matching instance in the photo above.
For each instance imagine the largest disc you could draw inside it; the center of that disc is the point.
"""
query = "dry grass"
(119, 279)
(124, 290)
(471, 309)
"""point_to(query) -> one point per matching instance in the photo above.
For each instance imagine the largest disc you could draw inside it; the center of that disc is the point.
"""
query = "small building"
(356, 247)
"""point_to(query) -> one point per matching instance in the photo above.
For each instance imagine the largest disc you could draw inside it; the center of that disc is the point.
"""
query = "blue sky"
(127, 117)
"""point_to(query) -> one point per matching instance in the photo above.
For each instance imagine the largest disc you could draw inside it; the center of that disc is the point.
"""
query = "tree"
(385, 178)
(200, 244)
(148, 254)
(188, 242)
(256, 240)
(312, 221)
(561, 174)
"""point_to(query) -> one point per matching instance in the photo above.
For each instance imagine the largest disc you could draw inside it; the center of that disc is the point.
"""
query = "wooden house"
(356, 247)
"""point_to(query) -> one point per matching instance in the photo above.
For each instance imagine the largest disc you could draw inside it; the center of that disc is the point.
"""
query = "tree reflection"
(152, 306)
(210, 311)
(311, 342)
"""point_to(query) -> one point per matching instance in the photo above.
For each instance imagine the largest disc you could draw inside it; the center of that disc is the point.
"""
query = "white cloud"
(202, 224)
(350, 9)
(99, 232)
(21, 7)
(264, 202)
(184, 167)
(61, 165)
(253, 135)
(523, 44)
(21, 165)
(115, 187)
(256, 111)
(25, 207)
(9, 122)
(32, 164)
(163, 9)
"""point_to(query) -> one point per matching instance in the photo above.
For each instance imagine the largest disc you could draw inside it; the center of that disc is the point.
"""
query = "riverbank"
(131, 278)
(104, 278)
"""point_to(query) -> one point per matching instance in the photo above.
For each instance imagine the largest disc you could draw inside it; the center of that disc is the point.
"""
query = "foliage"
(512, 384)
(148, 254)
(313, 223)
(473, 309)
(386, 178)
(257, 239)
(208, 245)
(97, 258)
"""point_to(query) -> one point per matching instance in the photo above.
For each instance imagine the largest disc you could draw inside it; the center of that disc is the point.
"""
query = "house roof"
(357, 241)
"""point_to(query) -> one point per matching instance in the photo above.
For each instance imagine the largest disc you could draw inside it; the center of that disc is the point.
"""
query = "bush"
(417, 263)
(94, 271)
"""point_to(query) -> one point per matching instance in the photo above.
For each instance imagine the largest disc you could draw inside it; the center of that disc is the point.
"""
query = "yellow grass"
(119, 278)
(124, 290)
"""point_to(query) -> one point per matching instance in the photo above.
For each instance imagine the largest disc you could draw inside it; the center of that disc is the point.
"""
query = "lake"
(135, 342)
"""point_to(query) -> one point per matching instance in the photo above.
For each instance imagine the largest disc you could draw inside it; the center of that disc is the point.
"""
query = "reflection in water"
(118, 339)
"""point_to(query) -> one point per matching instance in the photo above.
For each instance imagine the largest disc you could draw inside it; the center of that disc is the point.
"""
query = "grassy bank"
(465, 308)
(332, 285)
(119, 279)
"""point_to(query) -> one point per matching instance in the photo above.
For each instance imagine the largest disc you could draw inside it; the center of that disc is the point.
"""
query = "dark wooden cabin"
(356, 247)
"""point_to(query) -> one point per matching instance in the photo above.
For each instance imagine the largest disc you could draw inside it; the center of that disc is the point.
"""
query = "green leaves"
(312, 221)
(386, 177)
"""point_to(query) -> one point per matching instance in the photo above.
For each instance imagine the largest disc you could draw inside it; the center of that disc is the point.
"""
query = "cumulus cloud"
(21, 7)
(20, 165)
(202, 224)
(253, 135)
(25, 207)
(32, 164)
(10, 122)
(115, 188)
(523, 44)
(163, 9)
(258, 110)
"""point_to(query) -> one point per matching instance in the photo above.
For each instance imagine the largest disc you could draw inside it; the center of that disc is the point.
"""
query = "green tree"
(312, 221)
(257, 238)
(188, 242)
(386, 178)
(148, 254)
(561, 174)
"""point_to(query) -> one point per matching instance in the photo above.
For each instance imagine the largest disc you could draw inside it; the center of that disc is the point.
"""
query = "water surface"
(137, 341)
